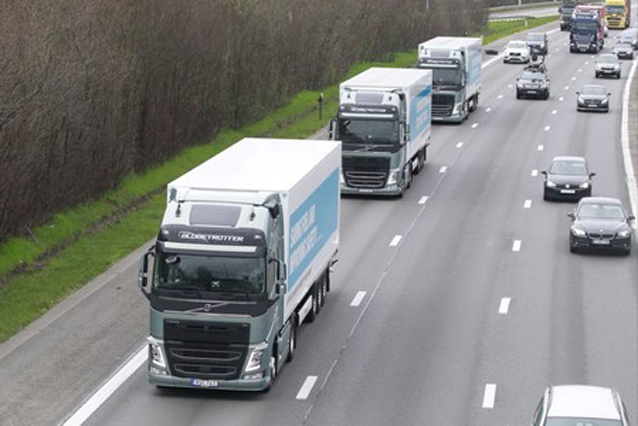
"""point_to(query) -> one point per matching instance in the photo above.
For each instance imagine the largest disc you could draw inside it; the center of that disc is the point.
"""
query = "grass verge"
(27, 295)
(501, 29)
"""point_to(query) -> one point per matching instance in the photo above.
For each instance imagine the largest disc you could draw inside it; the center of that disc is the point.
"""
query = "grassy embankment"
(87, 239)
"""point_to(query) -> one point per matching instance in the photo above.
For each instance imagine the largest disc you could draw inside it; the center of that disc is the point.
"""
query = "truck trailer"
(455, 63)
(618, 13)
(383, 122)
(587, 33)
(243, 256)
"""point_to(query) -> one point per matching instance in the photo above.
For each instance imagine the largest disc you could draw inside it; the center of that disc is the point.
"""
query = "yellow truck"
(618, 13)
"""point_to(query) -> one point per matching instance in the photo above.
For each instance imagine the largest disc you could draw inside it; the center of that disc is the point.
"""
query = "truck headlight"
(550, 184)
(342, 180)
(156, 353)
(254, 362)
(457, 109)
(578, 232)
(584, 185)
(393, 178)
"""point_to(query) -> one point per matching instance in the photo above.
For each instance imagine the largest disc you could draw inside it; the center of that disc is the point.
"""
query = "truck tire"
(292, 341)
(323, 289)
(472, 103)
(312, 315)
(420, 161)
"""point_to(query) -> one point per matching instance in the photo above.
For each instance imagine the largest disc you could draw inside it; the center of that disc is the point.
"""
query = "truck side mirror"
(332, 130)
(143, 281)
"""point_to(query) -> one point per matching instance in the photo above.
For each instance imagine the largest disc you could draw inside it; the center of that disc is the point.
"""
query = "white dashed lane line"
(459, 145)
(358, 298)
(443, 169)
(516, 246)
(547, 128)
(554, 112)
(504, 307)
(566, 87)
(423, 200)
(488, 109)
(561, 99)
(534, 173)
(306, 388)
(395, 241)
(540, 147)
(527, 204)
(489, 396)
(475, 125)
(500, 96)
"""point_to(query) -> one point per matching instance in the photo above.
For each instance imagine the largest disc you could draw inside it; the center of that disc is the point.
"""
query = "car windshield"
(601, 211)
(608, 59)
(575, 168)
(593, 90)
(623, 46)
(218, 274)
(535, 37)
(529, 75)
(581, 422)
(516, 45)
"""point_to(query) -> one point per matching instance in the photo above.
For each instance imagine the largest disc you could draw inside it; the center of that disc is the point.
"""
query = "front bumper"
(613, 244)
(226, 385)
(596, 107)
(607, 72)
(516, 59)
(539, 93)
(623, 55)
(454, 118)
(567, 193)
(386, 191)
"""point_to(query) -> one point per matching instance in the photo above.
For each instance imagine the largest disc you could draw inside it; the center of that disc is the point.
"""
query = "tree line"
(92, 90)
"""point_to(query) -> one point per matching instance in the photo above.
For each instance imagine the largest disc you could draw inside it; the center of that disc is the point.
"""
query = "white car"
(516, 51)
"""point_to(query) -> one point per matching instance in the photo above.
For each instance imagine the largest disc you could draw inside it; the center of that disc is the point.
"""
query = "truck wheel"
(312, 315)
(472, 104)
(407, 173)
(420, 161)
(323, 290)
(273, 367)
(292, 341)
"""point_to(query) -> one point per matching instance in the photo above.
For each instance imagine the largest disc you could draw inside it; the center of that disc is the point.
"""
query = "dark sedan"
(600, 223)
(593, 97)
(568, 178)
(623, 51)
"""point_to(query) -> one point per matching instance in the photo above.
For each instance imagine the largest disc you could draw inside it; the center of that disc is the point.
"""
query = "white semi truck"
(384, 124)
(242, 258)
(456, 80)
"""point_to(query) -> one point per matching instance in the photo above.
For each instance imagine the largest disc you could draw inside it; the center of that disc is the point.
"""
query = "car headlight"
(254, 362)
(623, 234)
(581, 101)
(394, 176)
(550, 184)
(156, 353)
(604, 101)
(578, 232)
(584, 185)
(598, 67)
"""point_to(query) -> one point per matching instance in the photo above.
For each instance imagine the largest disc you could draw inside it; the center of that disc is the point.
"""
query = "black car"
(623, 51)
(533, 82)
(568, 178)
(538, 43)
(600, 223)
(593, 97)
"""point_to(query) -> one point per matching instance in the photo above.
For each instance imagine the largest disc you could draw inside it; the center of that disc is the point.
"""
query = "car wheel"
(547, 95)
(573, 249)
(618, 76)
(597, 75)
(546, 196)
(627, 252)
(518, 95)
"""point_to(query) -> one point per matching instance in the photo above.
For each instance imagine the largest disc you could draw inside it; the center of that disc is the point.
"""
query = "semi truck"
(455, 63)
(243, 256)
(383, 122)
(587, 33)
(618, 13)
(566, 10)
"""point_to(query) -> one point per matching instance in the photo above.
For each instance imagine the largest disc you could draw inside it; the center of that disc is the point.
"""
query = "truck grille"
(442, 105)
(200, 350)
(366, 172)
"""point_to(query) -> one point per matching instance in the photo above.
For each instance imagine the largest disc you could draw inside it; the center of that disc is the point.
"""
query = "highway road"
(469, 302)
(529, 13)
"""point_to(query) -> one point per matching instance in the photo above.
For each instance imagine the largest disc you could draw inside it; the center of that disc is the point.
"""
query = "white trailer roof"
(255, 164)
(450, 42)
(387, 77)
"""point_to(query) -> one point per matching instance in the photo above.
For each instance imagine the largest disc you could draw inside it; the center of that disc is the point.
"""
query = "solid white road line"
(534, 173)
(306, 388)
(527, 204)
(443, 169)
(108, 388)
(423, 199)
(516, 246)
(395, 240)
(358, 298)
(504, 307)
(489, 396)
(540, 147)
(624, 138)
(459, 145)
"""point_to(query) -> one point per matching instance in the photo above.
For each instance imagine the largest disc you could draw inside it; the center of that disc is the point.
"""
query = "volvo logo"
(208, 307)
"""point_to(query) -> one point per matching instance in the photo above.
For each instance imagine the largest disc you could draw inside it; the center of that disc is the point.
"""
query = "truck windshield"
(369, 131)
(567, 11)
(445, 76)
(616, 9)
(216, 274)
(584, 27)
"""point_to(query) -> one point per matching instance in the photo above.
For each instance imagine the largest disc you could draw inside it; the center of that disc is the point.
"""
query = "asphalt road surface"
(470, 302)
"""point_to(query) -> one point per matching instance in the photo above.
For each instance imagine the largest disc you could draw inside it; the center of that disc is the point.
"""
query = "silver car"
(571, 405)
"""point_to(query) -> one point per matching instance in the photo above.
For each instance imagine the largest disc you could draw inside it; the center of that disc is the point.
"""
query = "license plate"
(567, 191)
(600, 242)
(201, 383)
(366, 191)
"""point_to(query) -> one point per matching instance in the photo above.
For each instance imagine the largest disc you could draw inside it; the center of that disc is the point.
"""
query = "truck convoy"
(618, 13)
(383, 122)
(456, 75)
(587, 33)
(242, 258)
